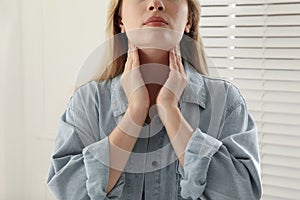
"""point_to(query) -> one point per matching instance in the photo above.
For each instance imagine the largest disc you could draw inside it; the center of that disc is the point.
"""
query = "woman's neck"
(148, 56)
(157, 64)
(154, 56)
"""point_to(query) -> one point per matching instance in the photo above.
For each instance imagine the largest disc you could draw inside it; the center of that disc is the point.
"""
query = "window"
(256, 45)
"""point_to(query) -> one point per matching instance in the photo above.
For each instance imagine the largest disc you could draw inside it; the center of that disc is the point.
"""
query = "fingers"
(172, 59)
(177, 51)
(177, 77)
(175, 59)
(132, 57)
(178, 59)
(131, 79)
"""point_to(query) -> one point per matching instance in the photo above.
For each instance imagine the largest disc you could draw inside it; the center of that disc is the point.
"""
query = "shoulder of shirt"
(93, 86)
(89, 93)
(234, 97)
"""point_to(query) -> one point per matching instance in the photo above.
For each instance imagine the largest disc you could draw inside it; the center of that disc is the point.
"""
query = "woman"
(154, 126)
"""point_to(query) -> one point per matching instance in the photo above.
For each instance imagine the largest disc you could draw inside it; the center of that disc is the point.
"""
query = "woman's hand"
(171, 91)
(133, 83)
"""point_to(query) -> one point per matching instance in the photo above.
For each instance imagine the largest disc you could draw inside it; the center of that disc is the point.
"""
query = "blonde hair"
(191, 45)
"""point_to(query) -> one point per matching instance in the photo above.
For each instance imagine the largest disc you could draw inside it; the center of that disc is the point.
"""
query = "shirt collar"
(194, 92)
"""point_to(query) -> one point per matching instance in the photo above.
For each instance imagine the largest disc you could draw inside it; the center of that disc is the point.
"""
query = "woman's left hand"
(171, 91)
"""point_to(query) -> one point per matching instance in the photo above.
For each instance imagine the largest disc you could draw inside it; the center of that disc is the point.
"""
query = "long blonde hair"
(192, 49)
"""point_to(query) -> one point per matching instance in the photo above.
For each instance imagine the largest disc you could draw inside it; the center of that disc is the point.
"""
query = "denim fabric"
(221, 158)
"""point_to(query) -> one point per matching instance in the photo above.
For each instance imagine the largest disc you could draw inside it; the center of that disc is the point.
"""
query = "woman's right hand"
(133, 83)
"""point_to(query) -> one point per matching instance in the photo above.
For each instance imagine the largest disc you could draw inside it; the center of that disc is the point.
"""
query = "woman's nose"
(156, 5)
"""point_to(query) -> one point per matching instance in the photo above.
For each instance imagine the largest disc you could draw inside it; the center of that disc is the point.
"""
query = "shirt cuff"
(96, 160)
(200, 148)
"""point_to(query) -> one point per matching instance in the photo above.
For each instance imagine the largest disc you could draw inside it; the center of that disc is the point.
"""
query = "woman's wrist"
(138, 112)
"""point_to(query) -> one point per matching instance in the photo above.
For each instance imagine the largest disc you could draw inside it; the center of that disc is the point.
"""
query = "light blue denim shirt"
(221, 159)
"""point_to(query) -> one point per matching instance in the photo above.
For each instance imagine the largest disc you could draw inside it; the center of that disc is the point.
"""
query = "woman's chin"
(155, 44)
(154, 37)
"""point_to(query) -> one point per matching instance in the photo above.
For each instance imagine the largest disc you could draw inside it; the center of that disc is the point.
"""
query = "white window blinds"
(256, 45)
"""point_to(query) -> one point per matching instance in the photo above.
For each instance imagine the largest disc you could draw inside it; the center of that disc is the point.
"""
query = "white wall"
(12, 135)
(42, 44)
(2, 69)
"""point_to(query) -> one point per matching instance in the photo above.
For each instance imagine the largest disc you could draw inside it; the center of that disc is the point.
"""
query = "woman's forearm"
(122, 143)
(178, 130)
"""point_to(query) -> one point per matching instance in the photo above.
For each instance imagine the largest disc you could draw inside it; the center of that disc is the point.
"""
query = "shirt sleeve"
(79, 164)
(226, 168)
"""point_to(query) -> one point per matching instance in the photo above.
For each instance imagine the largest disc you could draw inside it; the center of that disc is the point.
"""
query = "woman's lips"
(156, 21)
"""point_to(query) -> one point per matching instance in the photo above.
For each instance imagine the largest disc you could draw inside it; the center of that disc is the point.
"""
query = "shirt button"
(154, 163)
